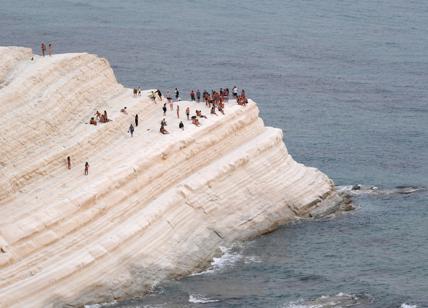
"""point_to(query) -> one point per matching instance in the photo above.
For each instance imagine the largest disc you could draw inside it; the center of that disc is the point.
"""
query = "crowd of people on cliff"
(214, 101)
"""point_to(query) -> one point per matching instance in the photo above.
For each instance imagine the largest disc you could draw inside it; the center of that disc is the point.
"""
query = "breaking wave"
(199, 299)
(332, 301)
(359, 189)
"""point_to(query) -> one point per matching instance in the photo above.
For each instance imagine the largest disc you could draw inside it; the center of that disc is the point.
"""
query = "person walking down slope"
(86, 168)
(136, 120)
(43, 47)
(164, 109)
(131, 130)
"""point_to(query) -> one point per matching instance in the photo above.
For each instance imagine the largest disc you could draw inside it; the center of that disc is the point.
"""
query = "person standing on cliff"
(86, 168)
(136, 120)
(188, 113)
(178, 111)
(131, 130)
(43, 46)
(192, 96)
(177, 94)
(198, 96)
(68, 162)
(50, 49)
(235, 92)
(164, 109)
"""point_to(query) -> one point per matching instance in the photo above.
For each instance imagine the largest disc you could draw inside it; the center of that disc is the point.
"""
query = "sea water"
(347, 82)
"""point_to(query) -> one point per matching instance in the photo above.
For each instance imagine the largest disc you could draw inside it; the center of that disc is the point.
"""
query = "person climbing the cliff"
(178, 111)
(136, 120)
(164, 109)
(86, 168)
(43, 47)
(131, 130)
(192, 96)
(198, 96)
(188, 113)
(50, 49)
(68, 162)
(181, 125)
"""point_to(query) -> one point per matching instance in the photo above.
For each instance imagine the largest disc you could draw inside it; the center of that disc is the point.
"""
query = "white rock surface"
(152, 206)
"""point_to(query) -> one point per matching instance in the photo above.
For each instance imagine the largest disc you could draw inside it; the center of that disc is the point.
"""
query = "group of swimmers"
(48, 49)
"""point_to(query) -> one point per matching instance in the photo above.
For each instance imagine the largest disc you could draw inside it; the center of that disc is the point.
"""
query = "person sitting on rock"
(163, 122)
(163, 131)
(199, 114)
(92, 121)
(159, 94)
(195, 121)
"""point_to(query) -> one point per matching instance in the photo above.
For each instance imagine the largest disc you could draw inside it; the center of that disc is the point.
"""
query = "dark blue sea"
(347, 81)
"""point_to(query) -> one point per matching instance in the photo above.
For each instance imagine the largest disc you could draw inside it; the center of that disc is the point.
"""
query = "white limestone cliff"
(153, 206)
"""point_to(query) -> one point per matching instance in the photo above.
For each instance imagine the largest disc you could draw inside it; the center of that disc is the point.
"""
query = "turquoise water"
(346, 81)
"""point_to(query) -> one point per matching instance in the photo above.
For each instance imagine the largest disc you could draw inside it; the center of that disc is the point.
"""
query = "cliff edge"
(152, 206)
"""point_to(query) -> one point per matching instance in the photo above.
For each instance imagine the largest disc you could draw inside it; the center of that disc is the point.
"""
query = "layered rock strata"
(152, 206)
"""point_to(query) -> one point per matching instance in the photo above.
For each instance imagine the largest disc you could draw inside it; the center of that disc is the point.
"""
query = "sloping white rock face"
(152, 206)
